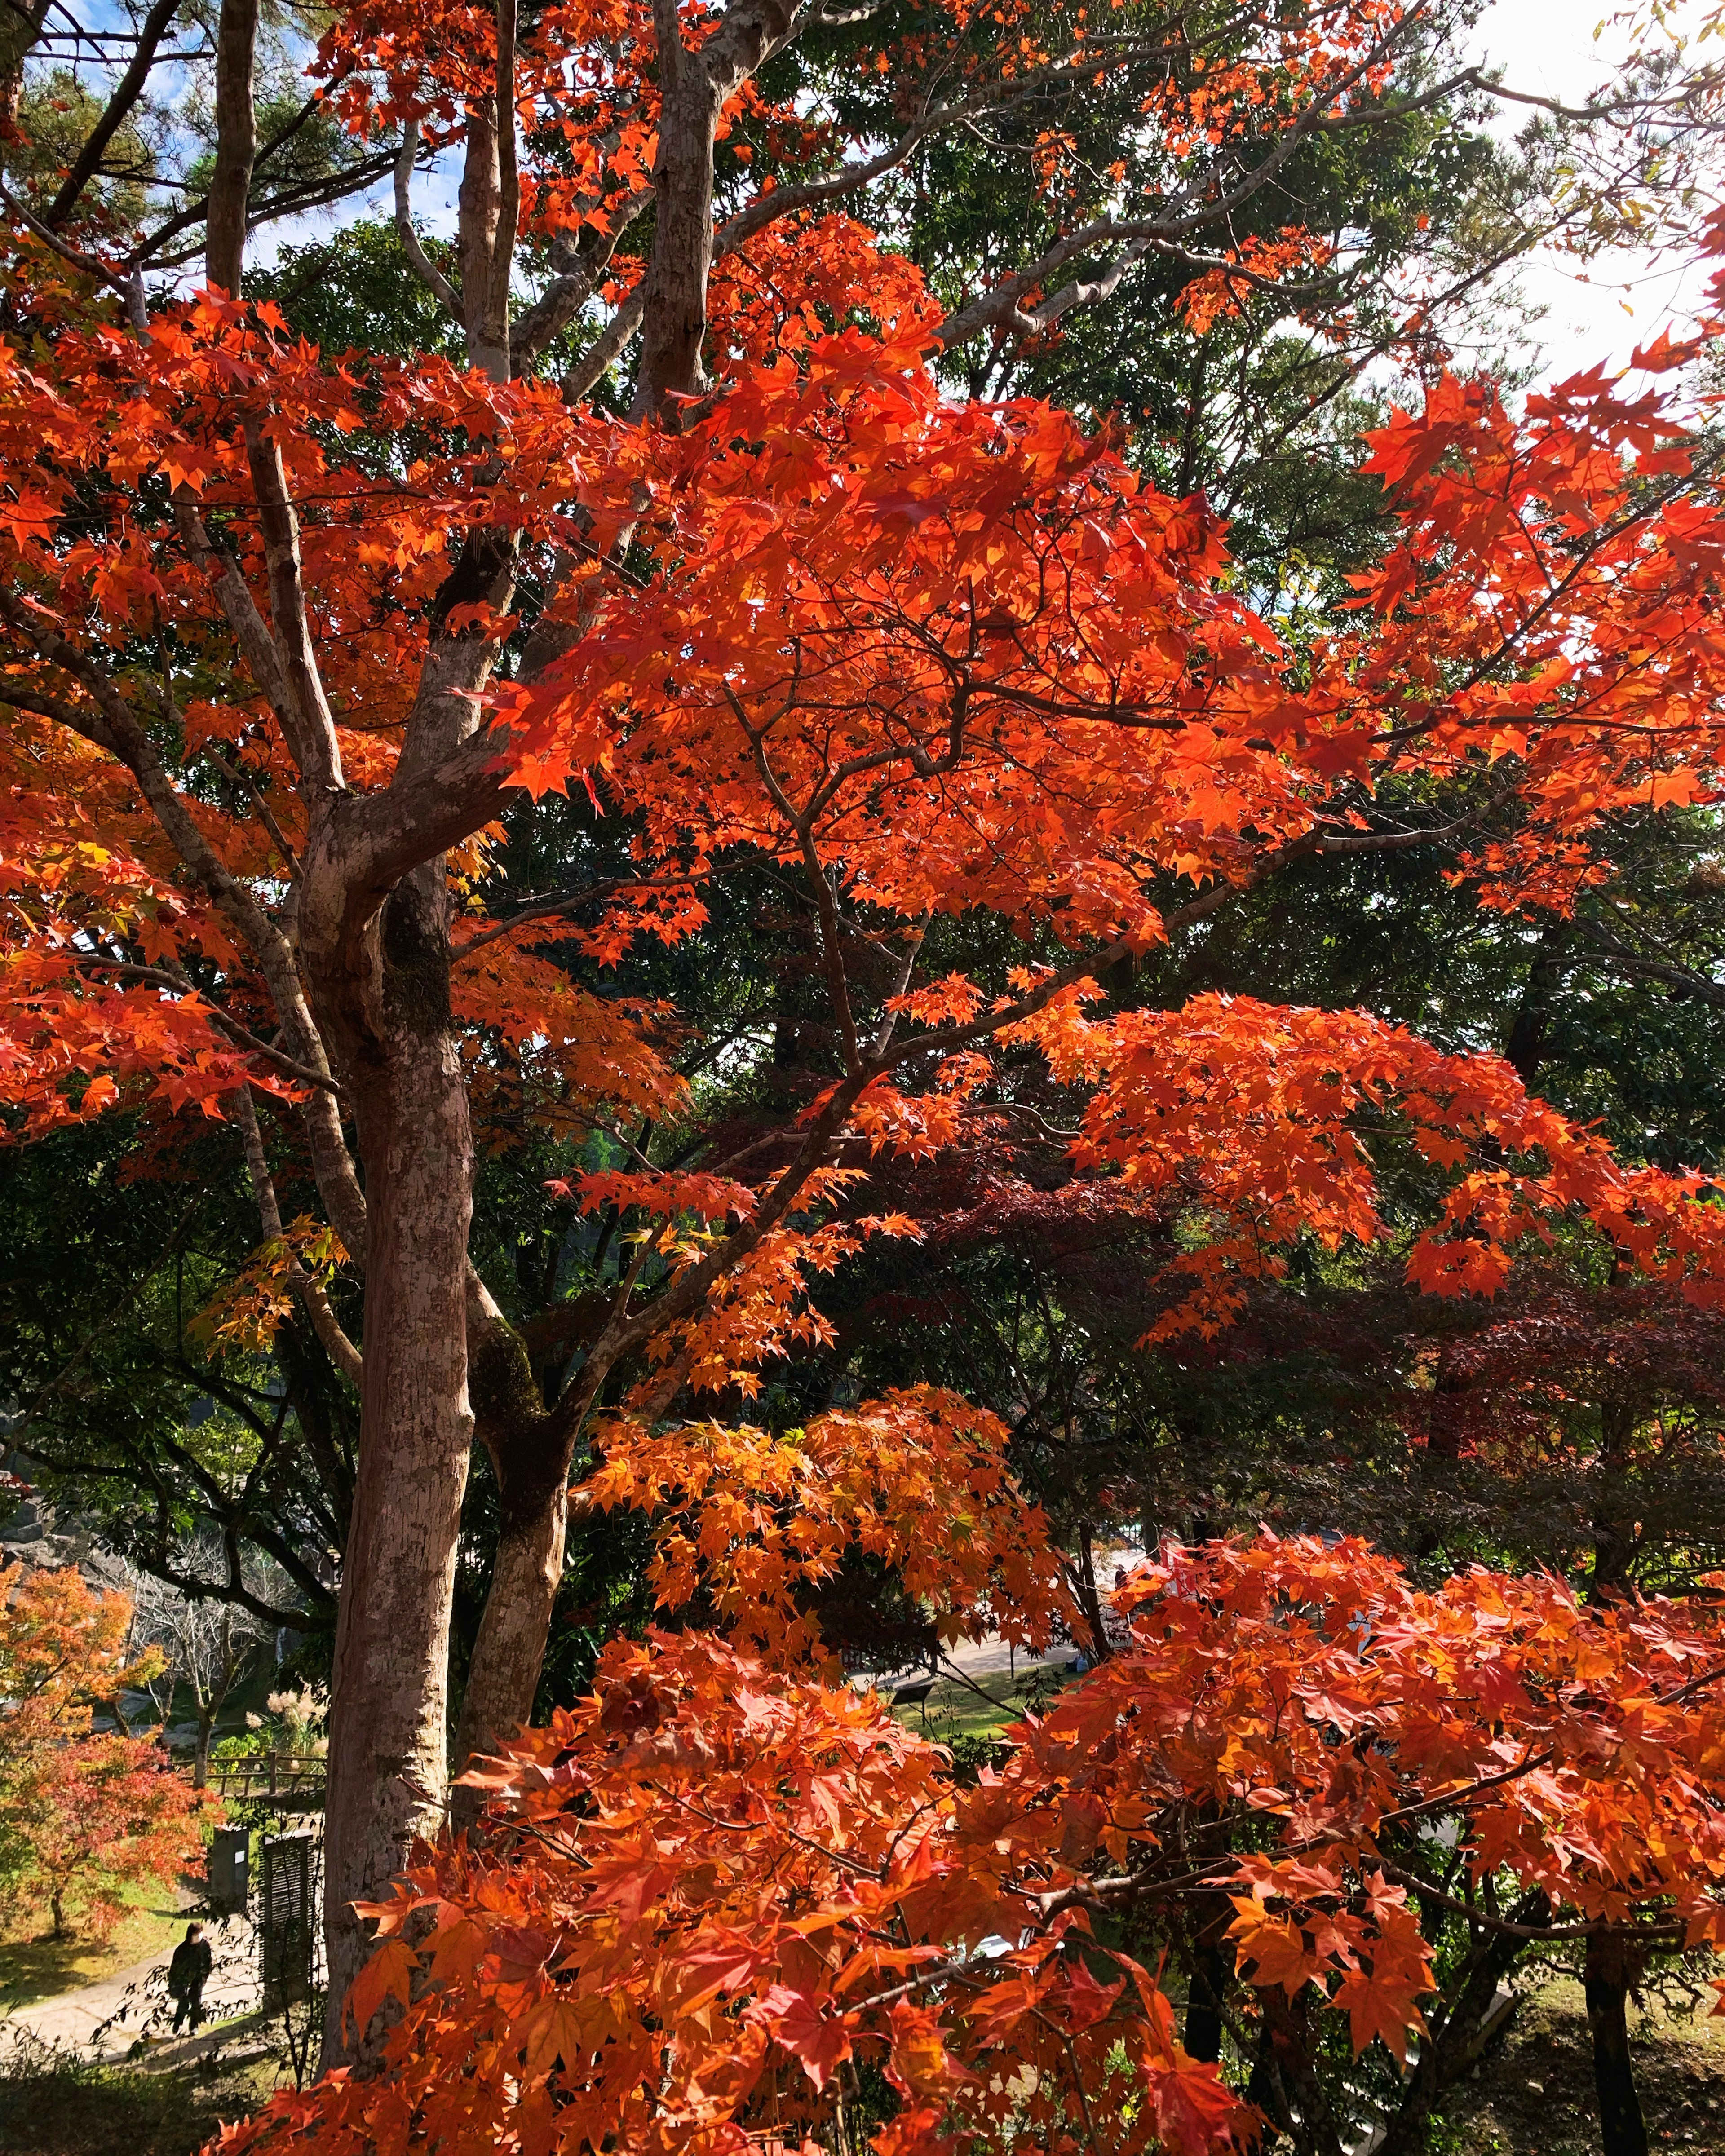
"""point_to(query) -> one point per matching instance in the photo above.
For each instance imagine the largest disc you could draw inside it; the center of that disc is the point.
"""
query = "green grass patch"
(981, 1708)
(34, 1967)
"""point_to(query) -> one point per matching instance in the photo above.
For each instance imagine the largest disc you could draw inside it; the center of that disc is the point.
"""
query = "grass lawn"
(980, 1707)
(34, 1967)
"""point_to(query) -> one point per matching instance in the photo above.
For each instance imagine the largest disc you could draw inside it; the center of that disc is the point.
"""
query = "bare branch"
(126, 93)
(427, 270)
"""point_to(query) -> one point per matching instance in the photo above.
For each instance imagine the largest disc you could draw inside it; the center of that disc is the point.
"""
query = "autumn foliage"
(84, 1812)
(712, 1892)
(747, 1520)
(296, 642)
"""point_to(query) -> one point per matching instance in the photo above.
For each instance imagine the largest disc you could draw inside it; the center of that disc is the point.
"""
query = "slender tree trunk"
(1284, 2082)
(200, 1748)
(1090, 1598)
(236, 145)
(1623, 2131)
(386, 1000)
(1614, 1529)
(509, 1652)
(1447, 1416)
(1524, 1049)
(1458, 2038)
(693, 87)
(1212, 1973)
(531, 1451)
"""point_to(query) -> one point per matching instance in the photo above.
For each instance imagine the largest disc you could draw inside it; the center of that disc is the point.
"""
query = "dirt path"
(104, 2020)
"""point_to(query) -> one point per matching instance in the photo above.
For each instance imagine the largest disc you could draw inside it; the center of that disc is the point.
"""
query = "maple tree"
(713, 1894)
(84, 1813)
(289, 634)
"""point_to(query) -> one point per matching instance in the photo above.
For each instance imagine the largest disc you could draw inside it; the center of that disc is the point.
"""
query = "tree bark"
(1212, 1973)
(693, 87)
(1285, 2083)
(236, 145)
(382, 989)
(1623, 2131)
(509, 1652)
(1446, 1420)
(1457, 2041)
(530, 1452)
(1614, 1529)
(1088, 1595)
(1524, 1050)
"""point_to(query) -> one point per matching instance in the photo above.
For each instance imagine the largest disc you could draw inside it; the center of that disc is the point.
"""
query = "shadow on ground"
(31, 1969)
(168, 2103)
(1534, 2095)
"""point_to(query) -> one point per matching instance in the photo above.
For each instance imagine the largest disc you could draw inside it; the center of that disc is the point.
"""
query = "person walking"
(188, 1974)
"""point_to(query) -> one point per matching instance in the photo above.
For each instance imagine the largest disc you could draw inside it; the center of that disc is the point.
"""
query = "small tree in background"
(83, 1812)
(206, 1646)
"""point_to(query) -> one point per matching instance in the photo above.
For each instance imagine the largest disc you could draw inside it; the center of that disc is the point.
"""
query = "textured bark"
(382, 986)
(693, 87)
(509, 1651)
(1623, 2131)
(480, 204)
(1458, 2039)
(200, 1750)
(236, 144)
(20, 26)
(1285, 2083)
(530, 1452)
(490, 204)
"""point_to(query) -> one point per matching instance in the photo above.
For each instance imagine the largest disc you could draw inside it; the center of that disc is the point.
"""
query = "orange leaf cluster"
(83, 1812)
(917, 1482)
(716, 1887)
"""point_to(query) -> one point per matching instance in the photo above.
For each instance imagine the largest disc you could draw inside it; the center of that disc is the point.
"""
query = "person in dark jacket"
(188, 1974)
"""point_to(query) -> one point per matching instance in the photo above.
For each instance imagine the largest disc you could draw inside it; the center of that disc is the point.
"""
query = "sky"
(1597, 312)
(1549, 46)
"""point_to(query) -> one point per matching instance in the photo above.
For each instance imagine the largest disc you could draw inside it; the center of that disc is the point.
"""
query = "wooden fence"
(294, 1780)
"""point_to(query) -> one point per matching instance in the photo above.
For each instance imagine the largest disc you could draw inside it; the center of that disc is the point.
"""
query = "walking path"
(104, 2020)
(991, 1656)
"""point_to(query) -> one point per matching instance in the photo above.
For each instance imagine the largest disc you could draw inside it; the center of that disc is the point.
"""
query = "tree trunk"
(1285, 2083)
(531, 1451)
(1446, 1421)
(1623, 2131)
(388, 1719)
(509, 1651)
(1090, 1599)
(1614, 1529)
(1212, 1972)
(200, 1750)
(693, 88)
(1524, 1049)
(1458, 2039)
(236, 145)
